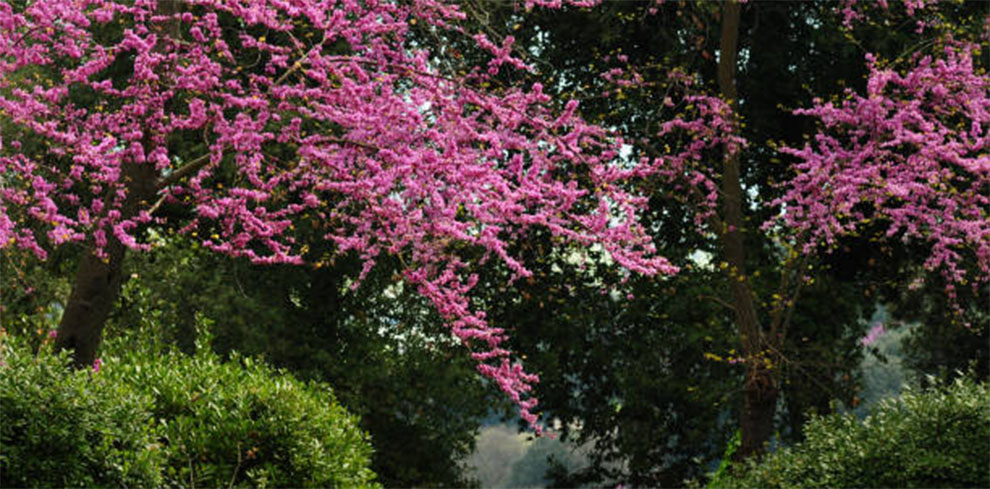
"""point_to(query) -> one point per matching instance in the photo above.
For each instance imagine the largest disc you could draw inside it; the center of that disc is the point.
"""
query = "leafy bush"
(722, 477)
(240, 422)
(150, 418)
(69, 428)
(935, 438)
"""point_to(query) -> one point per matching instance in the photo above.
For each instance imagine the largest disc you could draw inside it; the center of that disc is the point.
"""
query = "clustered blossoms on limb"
(306, 112)
(700, 129)
(852, 11)
(692, 169)
(911, 154)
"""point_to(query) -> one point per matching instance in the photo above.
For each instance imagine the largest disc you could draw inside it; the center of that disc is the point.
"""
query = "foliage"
(71, 428)
(650, 369)
(384, 134)
(940, 348)
(380, 346)
(30, 289)
(934, 438)
(627, 376)
(723, 474)
(596, 351)
(240, 422)
(943, 349)
(147, 417)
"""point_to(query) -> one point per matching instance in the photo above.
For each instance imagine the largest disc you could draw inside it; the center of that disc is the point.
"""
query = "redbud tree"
(908, 160)
(315, 113)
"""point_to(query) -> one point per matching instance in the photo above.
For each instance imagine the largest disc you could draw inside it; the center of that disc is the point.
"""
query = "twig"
(790, 310)
(355, 143)
(157, 204)
(192, 474)
(781, 315)
(720, 301)
(186, 170)
(236, 468)
(298, 64)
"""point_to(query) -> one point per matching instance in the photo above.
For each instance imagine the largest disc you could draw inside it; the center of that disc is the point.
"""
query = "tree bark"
(98, 280)
(97, 283)
(761, 390)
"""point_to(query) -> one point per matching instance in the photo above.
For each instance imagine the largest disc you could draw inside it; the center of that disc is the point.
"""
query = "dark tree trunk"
(761, 390)
(97, 283)
(94, 291)
(98, 280)
(759, 407)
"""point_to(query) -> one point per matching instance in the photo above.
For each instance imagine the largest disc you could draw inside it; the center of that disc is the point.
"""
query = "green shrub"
(242, 423)
(935, 438)
(69, 428)
(153, 418)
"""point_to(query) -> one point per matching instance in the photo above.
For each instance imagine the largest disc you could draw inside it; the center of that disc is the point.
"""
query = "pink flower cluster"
(707, 131)
(852, 10)
(313, 112)
(873, 335)
(560, 3)
(911, 155)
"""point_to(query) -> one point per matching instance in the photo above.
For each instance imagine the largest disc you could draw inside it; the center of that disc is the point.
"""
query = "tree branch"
(719, 301)
(186, 170)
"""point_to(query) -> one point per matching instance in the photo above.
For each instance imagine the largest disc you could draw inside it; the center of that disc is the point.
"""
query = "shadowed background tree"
(788, 53)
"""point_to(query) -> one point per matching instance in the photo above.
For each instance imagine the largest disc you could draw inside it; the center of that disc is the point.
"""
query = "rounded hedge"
(69, 428)
(935, 438)
(148, 419)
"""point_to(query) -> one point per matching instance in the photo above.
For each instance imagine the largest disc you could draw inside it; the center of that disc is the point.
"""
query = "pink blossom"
(853, 11)
(873, 335)
(910, 156)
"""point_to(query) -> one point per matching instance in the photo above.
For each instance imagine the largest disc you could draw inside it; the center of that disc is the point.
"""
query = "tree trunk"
(759, 407)
(94, 292)
(97, 283)
(761, 390)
